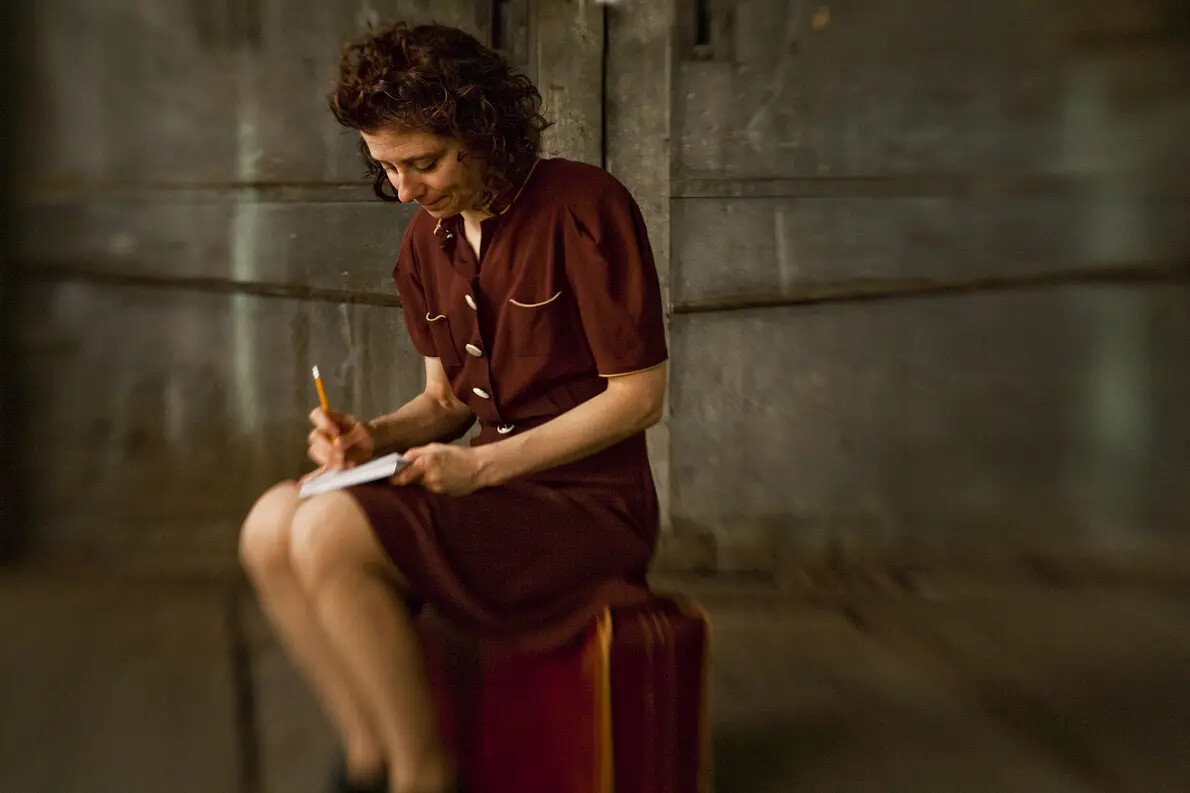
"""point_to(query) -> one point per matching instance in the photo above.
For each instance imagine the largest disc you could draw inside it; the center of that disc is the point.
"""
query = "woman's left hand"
(441, 468)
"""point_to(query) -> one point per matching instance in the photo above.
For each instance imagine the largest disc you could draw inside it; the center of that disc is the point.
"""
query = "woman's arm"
(631, 403)
(433, 415)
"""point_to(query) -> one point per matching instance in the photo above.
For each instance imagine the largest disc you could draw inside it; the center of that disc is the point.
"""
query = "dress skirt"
(530, 562)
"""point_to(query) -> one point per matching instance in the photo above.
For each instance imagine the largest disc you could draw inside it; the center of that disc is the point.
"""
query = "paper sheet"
(380, 468)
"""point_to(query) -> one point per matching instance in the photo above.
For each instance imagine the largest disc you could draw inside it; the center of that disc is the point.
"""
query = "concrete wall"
(636, 92)
(927, 270)
(930, 278)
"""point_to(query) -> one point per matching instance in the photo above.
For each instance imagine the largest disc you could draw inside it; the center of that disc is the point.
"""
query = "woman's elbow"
(654, 409)
(643, 394)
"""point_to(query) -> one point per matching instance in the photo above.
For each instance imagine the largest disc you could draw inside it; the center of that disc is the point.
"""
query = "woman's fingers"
(317, 451)
(337, 440)
(323, 424)
(319, 470)
(427, 468)
(325, 452)
(332, 424)
(347, 434)
(410, 473)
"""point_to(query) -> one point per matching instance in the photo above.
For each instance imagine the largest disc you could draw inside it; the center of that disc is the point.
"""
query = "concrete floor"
(148, 687)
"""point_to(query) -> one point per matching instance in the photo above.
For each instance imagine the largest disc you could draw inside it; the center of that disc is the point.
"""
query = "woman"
(529, 288)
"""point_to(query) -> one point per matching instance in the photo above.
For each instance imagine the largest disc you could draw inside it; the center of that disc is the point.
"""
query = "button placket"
(476, 351)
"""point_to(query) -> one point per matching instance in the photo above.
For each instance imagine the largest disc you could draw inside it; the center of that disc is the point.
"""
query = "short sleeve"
(407, 276)
(610, 268)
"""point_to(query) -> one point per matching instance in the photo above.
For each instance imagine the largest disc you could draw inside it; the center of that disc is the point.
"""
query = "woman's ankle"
(364, 763)
(436, 773)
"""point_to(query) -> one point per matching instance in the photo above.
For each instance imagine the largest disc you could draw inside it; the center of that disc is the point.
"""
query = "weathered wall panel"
(158, 415)
(636, 104)
(1052, 419)
(568, 65)
(863, 149)
(890, 89)
(183, 91)
(349, 245)
(781, 245)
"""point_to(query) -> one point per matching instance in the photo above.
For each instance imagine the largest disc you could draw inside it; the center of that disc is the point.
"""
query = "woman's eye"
(429, 166)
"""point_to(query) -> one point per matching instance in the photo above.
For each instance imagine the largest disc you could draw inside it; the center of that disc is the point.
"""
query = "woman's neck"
(473, 217)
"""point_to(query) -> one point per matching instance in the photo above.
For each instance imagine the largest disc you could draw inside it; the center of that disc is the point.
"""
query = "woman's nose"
(408, 189)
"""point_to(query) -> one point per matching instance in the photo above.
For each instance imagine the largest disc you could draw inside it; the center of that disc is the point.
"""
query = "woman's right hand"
(338, 440)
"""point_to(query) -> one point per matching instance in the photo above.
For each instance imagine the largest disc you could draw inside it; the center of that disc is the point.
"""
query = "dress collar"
(446, 228)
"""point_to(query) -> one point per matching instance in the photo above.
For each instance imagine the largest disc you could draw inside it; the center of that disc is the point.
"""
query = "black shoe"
(341, 784)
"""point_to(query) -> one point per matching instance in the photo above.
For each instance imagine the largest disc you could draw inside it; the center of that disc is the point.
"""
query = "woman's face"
(425, 168)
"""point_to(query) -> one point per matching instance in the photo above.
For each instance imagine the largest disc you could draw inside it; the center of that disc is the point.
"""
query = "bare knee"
(331, 533)
(265, 535)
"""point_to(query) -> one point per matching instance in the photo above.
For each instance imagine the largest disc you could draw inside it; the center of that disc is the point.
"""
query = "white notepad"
(380, 468)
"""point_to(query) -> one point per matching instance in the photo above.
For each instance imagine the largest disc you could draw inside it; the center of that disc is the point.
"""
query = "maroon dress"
(563, 295)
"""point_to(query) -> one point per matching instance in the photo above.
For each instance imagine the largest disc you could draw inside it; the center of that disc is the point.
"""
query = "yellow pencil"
(326, 408)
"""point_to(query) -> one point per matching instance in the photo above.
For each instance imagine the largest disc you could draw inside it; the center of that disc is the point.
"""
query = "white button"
(504, 429)
(470, 301)
(473, 351)
(479, 392)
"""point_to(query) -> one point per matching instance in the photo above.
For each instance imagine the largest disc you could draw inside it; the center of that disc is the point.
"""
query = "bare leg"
(266, 553)
(350, 580)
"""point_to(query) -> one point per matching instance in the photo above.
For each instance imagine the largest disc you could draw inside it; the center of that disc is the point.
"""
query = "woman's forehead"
(397, 145)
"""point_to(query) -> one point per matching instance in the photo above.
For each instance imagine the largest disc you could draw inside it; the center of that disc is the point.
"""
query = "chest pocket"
(444, 343)
(536, 328)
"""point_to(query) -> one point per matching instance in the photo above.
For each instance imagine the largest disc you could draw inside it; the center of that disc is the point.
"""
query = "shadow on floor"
(753, 758)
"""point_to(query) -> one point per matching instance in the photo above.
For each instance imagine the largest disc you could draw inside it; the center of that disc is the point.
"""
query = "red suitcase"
(622, 709)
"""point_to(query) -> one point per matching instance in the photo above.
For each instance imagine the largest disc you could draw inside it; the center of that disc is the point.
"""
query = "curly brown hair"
(441, 80)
